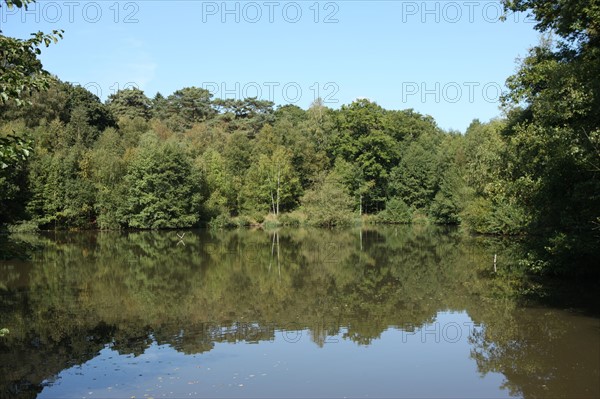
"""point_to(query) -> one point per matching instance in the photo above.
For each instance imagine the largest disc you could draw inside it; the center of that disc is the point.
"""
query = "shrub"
(221, 221)
(328, 203)
(295, 218)
(25, 226)
(396, 212)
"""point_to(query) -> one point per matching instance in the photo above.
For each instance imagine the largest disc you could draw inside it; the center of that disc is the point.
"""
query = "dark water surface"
(387, 312)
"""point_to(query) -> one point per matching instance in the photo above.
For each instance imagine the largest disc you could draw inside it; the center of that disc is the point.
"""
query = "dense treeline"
(188, 158)
(175, 162)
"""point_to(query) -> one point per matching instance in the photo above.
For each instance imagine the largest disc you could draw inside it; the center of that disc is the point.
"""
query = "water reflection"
(358, 302)
(289, 364)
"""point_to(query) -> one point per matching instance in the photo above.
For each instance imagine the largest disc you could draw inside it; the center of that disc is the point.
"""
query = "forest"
(187, 159)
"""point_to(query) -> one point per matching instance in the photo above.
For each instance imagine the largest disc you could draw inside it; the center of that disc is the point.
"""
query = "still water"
(388, 312)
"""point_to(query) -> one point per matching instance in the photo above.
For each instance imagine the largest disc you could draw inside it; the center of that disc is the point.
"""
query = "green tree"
(40, 106)
(188, 106)
(327, 202)
(492, 201)
(450, 198)
(62, 193)
(248, 115)
(237, 155)
(88, 107)
(21, 74)
(220, 184)
(108, 167)
(272, 183)
(130, 103)
(362, 140)
(159, 106)
(14, 152)
(575, 21)
(20, 69)
(415, 180)
(396, 212)
(163, 191)
(353, 177)
(320, 127)
(553, 133)
(448, 202)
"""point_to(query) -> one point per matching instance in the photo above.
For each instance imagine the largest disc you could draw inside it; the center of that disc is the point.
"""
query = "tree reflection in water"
(74, 293)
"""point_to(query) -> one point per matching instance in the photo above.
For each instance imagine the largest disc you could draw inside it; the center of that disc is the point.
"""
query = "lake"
(414, 312)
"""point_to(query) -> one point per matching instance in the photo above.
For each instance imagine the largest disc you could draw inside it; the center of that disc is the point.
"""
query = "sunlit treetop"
(572, 20)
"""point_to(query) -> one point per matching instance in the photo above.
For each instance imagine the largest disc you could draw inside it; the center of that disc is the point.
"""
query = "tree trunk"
(360, 206)
(272, 203)
(278, 179)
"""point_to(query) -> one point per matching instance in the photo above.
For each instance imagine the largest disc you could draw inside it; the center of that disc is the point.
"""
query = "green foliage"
(328, 202)
(130, 103)
(187, 106)
(415, 179)
(353, 178)
(86, 110)
(485, 216)
(293, 129)
(40, 107)
(272, 183)
(248, 115)
(573, 20)
(21, 74)
(491, 204)
(246, 160)
(221, 222)
(249, 176)
(24, 226)
(163, 191)
(448, 201)
(553, 125)
(396, 212)
(20, 70)
(362, 140)
(295, 219)
(107, 168)
(13, 194)
(13, 150)
(219, 183)
(62, 193)
(186, 158)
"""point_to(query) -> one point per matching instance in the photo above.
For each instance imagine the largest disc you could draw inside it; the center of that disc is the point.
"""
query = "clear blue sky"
(442, 58)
